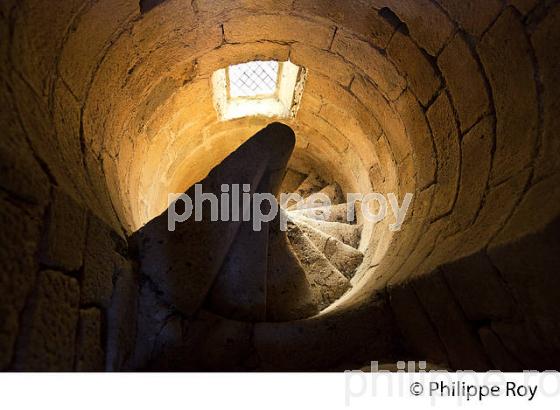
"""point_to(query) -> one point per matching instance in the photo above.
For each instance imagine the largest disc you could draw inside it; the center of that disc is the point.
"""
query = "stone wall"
(60, 286)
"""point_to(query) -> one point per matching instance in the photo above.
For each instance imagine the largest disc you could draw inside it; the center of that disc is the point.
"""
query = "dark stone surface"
(358, 335)
(48, 331)
(65, 232)
(186, 277)
(99, 264)
(501, 359)
(90, 356)
(419, 335)
(458, 336)
(530, 267)
(478, 288)
(122, 318)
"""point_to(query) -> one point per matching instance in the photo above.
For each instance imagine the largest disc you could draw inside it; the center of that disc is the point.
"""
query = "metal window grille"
(253, 79)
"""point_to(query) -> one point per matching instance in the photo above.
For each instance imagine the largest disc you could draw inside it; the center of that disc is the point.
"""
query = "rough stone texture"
(370, 61)
(473, 16)
(546, 42)
(207, 342)
(289, 295)
(122, 319)
(393, 127)
(525, 263)
(18, 246)
(8, 333)
(16, 155)
(418, 70)
(505, 53)
(360, 15)
(524, 6)
(322, 343)
(88, 36)
(277, 28)
(522, 341)
(323, 62)
(185, 279)
(428, 25)
(446, 141)
(465, 81)
(475, 168)
(420, 336)
(36, 44)
(47, 340)
(64, 239)
(99, 264)
(461, 342)
(501, 359)
(478, 288)
(90, 356)
(420, 138)
(327, 284)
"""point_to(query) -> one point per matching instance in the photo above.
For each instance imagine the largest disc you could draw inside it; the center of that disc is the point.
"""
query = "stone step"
(289, 294)
(313, 183)
(292, 180)
(349, 234)
(331, 192)
(343, 257)
(239, 291)
(334, 193)
(327, 283)
(334, 213)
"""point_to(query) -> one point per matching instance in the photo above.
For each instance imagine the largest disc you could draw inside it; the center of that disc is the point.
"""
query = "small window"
(253, 79)
(265, 88)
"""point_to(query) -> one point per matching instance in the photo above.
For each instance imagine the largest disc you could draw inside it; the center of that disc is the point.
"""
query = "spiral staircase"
(243, 274)
(302, 270)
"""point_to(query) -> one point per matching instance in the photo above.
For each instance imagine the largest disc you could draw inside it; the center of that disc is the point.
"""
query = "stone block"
(380, 108)
(473, 16)
(501, 359)
(520, 339)
(427, 23)
(121, 318)
(478, 288)
(420, 137)
(90, 356)
(505, 53)
(88, 37)
(420, 336)
(546, 43)
(446, 140)
(20, 173)
(475, 168)
(460, 339)
(48, 336)
(465, 81)
(9, 328)
(99, 264)
(364, 333)
(36, 43)
(361, 16)
(18, 248)
(65, 233)
(277, 28)
(370, 60)
(324, 62)
(418, 70)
